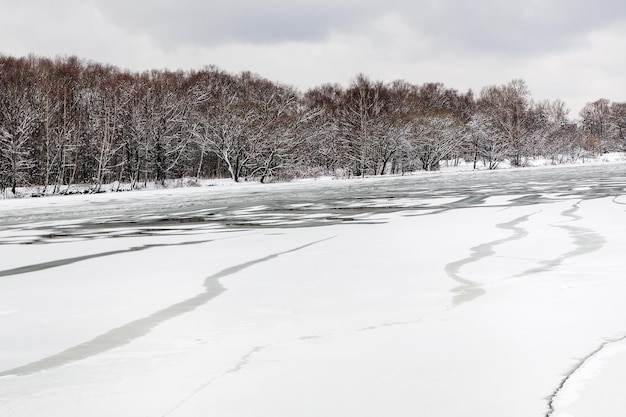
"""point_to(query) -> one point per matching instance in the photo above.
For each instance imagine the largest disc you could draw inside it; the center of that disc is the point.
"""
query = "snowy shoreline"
(446, 169)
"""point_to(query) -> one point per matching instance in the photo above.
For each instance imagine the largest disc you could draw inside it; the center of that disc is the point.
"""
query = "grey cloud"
(191, 22)
(457, 26)
(514, 29)
(460, 27)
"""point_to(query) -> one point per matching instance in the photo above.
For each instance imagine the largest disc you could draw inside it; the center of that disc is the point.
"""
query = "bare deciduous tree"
(66, 121)
(19, 120)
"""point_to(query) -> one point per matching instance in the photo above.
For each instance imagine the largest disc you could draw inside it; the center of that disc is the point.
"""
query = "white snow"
(495, 309)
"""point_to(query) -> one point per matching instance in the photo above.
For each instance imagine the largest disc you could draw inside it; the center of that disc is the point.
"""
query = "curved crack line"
(468, 290)
(135, 329)
(585, 241)
(575, 369)
(247, 358)
(68, 261)
(618, 202)
(243, 361)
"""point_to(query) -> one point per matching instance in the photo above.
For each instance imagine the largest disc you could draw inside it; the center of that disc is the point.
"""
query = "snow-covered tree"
(435, 137)
(507, 108)
(19, 120)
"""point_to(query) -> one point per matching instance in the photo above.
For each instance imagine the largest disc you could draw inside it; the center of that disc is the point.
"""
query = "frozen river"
(487, 293)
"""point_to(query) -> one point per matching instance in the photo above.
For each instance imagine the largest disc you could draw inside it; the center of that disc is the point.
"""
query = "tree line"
(65, 121)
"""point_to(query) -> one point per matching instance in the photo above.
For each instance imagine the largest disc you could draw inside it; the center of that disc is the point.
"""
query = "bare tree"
(507, 108)
(486, 143)
(553, 131)
(225, 115)
(67, 121)
(394, 127)
(362, 114)
(19, 120)
(276, 128)
(327, 145)
(164, 129)
(617, 125)
(435, 137)
(596, 124)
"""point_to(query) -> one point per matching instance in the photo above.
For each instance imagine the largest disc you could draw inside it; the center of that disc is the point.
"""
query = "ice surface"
(489, 294)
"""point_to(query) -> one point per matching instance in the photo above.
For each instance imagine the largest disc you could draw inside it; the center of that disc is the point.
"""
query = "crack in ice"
(585, 241)
(241, 363)
(468, 290)
(133, 330)
(572, 372)
(68, 261)
(618, 202)
(246, 359)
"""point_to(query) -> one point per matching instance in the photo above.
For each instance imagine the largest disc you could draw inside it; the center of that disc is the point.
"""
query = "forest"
(65, 121)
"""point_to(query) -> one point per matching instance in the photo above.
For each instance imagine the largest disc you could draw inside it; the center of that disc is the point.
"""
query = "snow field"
(488, 310)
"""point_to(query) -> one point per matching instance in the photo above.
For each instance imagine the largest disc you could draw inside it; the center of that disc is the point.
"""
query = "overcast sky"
(567, 49)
